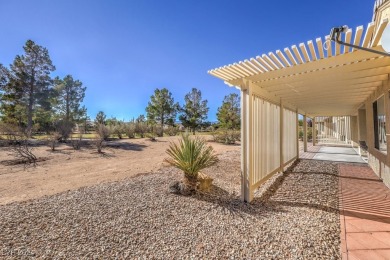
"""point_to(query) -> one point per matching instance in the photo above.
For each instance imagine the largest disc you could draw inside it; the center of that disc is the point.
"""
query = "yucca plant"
(191, 155)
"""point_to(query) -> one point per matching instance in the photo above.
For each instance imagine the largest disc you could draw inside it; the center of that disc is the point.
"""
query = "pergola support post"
(297, 131)
(313, 130)
(281, 137)
(246, 143)
(304, 133)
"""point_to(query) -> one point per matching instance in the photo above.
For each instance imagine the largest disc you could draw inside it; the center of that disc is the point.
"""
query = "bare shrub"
(130, 130)
(52, 140)
(18, 144)
(118, 130)
(102, 134)
(77, 141)
(141, 128)
(171, 130)
(226, 136)
(64, 128)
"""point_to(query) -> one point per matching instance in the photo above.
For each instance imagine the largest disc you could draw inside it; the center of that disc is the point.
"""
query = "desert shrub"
(52, 140)
(18, 144)
(118, 129)
(77, 141)
(191, 155)
(309, 133)
(64, 128)
(130, 129)
(158, 130)
(141, 128)
(171, 130)
(300, 134)
(226, 136)
(103, 131)
(102, 134)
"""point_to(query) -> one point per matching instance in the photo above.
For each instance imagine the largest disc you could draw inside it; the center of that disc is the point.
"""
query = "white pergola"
(317, 78)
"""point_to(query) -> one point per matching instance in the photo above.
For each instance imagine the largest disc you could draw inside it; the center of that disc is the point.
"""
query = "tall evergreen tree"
(229, 113)
(162, 108)
(100, 118)
(28, 87)
(69, 95)
(194, 111)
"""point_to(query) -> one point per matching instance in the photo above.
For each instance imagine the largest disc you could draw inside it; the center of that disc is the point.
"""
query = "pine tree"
(69, 95)
(162, 108)
(229, 113)
(28, 86)
(194, 111)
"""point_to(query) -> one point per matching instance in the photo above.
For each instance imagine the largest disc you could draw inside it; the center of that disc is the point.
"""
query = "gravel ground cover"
(139, 219)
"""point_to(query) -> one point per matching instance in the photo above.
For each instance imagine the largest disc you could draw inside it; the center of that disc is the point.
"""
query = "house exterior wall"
(378, 160)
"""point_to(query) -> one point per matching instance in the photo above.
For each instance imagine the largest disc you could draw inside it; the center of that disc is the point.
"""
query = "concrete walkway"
(364, 204)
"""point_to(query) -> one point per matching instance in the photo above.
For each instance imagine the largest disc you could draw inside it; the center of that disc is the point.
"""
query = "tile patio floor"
(364, 211)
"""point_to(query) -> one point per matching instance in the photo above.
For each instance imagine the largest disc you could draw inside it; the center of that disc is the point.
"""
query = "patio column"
(246, 143)
(313, 130)
(281, 137)
(304, 133)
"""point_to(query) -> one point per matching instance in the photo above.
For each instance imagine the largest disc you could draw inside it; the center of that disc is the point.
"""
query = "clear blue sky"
(123, 50)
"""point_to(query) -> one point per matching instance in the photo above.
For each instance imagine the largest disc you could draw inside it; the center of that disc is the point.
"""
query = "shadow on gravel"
(233, 204)
(125, 146)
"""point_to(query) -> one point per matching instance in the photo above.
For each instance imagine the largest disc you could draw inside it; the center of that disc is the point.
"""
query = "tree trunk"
(30, 111)
(190, 183)
(193, 131)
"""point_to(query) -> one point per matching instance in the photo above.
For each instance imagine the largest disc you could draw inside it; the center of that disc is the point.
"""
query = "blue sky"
(123, 50)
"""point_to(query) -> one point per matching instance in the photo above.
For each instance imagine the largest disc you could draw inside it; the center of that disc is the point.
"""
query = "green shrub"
(226, 136)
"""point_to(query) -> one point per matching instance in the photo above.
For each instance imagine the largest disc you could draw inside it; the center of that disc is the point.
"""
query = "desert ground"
(79, 204)
(67, 169)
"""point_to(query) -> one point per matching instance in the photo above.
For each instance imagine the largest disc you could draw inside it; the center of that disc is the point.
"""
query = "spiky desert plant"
(191, 155)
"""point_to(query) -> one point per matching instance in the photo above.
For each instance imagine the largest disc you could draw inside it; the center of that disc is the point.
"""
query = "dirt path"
(67, 169)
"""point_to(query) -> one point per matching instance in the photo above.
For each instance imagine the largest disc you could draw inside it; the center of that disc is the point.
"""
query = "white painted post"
(281, 126)
(304, 133)
(297, 131)
(246, 144)
(313, 130)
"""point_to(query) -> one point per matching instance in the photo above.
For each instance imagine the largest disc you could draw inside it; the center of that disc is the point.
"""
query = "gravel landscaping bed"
(139, 219)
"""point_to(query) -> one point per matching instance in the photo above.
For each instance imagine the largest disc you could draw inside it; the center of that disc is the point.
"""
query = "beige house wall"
(379, 161)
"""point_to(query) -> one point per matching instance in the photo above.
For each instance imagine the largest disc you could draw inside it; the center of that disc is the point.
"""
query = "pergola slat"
(348, 36)
(258, 65)
(242, 66)
(312, 50)
(328, 45)
(270, 62)
(379, 32)
(252, 67)
(260, 59)
(290, 56)
(302, 46)
(223, 75)
(358, 36)
(283, 58)
(276, 60)
(241, 69)
(320, 48)
(368, 35)
(297, 54)
(229, 68)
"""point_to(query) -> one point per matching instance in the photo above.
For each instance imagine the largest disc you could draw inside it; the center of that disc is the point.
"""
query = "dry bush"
(130, 130)
(52, 140)
(64, 128)
(18, 145)
(141, 128)
(171, 130)
(77, 142)
(118, 130)
(102, 134)
(226, 136)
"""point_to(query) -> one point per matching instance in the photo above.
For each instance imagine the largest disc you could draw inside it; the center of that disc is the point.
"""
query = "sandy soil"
(67, 169)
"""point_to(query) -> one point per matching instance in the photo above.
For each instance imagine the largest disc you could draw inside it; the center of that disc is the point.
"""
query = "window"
(380, 124)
